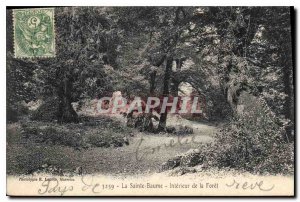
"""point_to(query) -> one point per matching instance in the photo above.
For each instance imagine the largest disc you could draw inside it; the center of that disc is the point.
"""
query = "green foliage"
(106, 139)
(34, 158)
(12, 133)
(20, 87)
(51, 135)
(16, 110)
(31, 161)
(253, 142)
(103, 133)
(47, 111)
(225, 52)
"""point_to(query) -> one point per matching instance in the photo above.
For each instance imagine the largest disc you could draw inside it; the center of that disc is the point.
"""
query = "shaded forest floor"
(144, 154)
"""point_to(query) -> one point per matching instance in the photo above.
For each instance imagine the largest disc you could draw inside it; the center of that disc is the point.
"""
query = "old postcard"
(150, 101)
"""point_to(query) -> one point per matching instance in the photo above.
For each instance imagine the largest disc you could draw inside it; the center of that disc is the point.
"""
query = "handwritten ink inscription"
(53, 187)
(245, 185)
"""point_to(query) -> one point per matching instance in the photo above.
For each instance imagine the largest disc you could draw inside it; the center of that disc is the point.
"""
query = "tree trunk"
(153, 75)
(152, 82)
(163, 116)
(174, 79)
(66, 113)
(174, 87)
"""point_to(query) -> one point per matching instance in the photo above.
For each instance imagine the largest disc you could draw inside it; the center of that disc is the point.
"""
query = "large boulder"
(171, 163)
(192, 158)
(189, 159)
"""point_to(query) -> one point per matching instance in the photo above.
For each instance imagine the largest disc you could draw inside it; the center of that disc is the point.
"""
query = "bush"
(253, 141)
(13, 133)
(52, 135)
(106, 139)
(74, 136)
(48, 111)
(14, 112)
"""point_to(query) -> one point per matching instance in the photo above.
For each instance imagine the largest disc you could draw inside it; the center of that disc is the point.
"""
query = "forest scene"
(237, 60)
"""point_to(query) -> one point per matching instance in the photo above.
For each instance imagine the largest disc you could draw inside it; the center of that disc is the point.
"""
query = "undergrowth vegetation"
(254, 142)
(47, 146)
(103, 133)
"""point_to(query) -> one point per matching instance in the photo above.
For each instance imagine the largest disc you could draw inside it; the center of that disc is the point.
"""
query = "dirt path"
(146, 152)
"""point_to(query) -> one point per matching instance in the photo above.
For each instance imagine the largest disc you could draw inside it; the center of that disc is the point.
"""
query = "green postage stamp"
(34, 34)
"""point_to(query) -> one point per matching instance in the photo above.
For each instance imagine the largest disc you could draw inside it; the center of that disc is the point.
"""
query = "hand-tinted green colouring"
(34, 32)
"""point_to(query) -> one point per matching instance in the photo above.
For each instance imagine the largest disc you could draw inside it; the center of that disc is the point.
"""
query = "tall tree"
(87, 42)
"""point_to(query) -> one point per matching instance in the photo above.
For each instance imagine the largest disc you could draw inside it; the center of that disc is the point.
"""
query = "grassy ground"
(36, 146)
